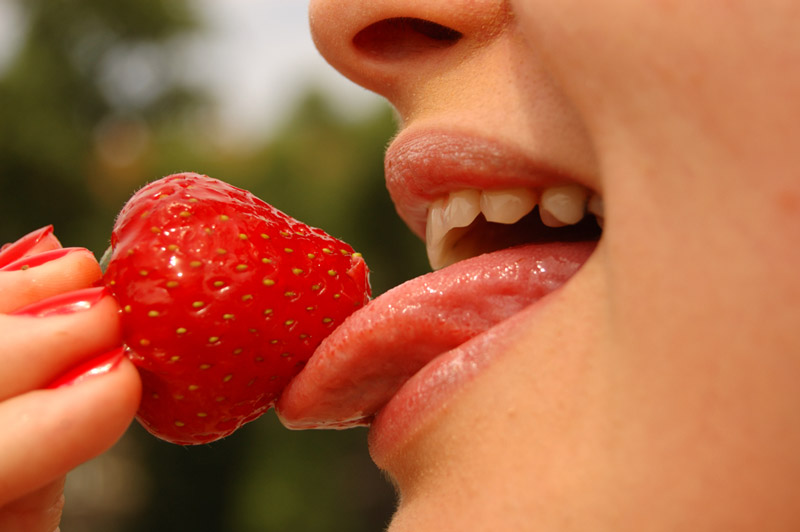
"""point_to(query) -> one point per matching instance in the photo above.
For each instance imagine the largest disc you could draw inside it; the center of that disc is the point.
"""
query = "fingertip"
(47, 433)
(118, 391)
(130, 385)
(70, 271)
(85, 268)
(36, 241)
(103, 404)
(48, 243)
(96, 412)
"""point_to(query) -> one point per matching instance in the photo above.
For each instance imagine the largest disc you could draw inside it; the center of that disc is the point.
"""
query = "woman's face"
(656, 387)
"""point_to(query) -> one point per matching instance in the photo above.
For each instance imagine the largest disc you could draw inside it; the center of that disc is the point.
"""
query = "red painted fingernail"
(14, 250)
(99, 365)
(37, 260)
(66, 303)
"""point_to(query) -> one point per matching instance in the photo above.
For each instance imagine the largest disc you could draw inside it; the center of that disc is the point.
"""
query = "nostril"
(432, 30)
(399, 38)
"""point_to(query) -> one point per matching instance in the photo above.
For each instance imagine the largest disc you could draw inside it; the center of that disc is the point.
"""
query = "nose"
(397, 47)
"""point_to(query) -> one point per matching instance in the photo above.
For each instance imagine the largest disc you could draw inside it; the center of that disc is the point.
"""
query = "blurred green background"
(78, 136)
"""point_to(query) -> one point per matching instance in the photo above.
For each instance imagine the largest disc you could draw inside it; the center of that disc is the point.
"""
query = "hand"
(67, 393)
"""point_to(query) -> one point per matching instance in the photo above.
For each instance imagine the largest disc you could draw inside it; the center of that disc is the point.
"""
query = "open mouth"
(470, 222)
(501, 235)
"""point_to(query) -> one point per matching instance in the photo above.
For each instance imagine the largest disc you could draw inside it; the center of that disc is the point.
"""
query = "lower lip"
(426, 395)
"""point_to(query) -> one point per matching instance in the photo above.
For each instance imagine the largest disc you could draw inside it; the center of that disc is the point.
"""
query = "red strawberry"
(224, 299)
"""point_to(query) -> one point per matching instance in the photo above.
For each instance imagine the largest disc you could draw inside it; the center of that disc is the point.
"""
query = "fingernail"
(99, 365)
(66, 303)
(14, 250)
(24, 263)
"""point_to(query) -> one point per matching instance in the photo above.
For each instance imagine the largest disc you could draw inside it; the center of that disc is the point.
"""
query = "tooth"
(595, 206)
(447, 222)
(462, 208)
(435, 231)
(449, 219)
(507, 206)
(563, 205)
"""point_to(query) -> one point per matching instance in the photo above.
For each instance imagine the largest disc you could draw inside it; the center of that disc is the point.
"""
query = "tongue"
(361, 365)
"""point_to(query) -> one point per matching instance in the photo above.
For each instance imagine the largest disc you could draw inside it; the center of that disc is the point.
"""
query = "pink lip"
(397, 361)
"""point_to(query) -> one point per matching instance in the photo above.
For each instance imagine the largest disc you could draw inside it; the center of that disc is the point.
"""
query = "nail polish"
(14, 250)
(99, 365)
(65, 303)
(31, 261)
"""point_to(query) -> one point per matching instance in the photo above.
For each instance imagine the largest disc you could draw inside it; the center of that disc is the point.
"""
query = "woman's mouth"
(506, 234)
(470, 222)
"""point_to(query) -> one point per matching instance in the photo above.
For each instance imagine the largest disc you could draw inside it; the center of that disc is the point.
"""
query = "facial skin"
(658, 390)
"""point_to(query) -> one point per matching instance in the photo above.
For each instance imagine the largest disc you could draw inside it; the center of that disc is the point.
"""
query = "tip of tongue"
(361, 365)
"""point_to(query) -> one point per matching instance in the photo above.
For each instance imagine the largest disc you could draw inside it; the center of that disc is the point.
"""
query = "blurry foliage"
(59, 89)
(89, 111)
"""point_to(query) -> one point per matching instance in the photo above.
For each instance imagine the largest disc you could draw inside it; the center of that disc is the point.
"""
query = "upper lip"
(422, 165)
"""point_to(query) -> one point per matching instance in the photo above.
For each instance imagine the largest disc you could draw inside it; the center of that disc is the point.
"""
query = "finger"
(34, 242)
(46, 433)
(76, 268)
(38, 511)
(37, 348)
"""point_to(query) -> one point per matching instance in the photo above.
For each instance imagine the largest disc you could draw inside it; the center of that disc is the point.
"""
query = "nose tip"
(385, 45)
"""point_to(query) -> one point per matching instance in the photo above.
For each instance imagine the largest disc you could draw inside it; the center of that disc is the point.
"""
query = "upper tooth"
(595, 206)
(447, 222)
(462, 208)
(449, 218)
(507, 206)
(563, 205)
(435, 229)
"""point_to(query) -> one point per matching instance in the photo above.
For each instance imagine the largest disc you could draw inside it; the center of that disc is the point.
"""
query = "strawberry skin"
(224, 298)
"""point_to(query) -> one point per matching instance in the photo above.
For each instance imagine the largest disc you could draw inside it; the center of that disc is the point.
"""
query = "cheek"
(668, 75)
(699, 184)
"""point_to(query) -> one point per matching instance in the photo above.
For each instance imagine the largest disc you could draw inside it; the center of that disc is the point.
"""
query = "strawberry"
(223, 298)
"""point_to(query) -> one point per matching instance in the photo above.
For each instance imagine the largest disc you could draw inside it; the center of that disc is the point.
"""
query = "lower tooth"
(563, 205)
(507, 206)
